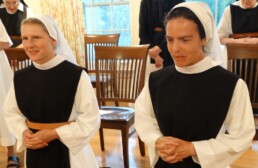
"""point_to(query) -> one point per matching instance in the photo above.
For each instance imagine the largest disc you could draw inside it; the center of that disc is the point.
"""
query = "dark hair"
(187, 14)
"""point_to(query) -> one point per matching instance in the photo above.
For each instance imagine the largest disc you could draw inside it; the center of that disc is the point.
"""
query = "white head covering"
(62, 48)
(212, 47)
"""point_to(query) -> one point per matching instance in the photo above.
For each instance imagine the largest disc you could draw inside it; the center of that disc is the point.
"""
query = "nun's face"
(248, 3)
(38, 45)
(184, 42)
(11, 6)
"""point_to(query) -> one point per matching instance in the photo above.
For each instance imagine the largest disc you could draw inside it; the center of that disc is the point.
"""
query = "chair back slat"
(243, 61)
(17, 58)
(120, 72)
(91, 40)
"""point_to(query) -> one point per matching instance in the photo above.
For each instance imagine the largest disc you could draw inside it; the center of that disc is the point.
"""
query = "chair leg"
(125, 139)
(142, 147)
(101, 137)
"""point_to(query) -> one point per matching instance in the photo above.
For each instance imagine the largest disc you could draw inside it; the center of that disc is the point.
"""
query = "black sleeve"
(144, 35)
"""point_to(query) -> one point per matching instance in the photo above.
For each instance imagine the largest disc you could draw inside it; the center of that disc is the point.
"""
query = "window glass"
(107, 17)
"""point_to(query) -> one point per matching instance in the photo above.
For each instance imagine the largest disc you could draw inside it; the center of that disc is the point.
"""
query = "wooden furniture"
(17, 57)
(15, 37)
(124, 67)
(91, 40)
(243, 35)
(243, 61)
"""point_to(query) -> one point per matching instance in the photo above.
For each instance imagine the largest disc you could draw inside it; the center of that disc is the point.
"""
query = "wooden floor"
(113, 158)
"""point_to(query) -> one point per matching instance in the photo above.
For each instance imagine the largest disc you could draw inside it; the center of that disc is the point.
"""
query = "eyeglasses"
(7, 3)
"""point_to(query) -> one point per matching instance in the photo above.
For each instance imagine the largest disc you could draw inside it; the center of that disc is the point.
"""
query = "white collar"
(203, 65)
(50, 64)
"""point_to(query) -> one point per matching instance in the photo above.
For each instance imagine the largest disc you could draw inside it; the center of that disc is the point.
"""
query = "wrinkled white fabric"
(6, 76)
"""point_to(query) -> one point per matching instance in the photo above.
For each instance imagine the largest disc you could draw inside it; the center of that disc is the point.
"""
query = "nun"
(12, 12)
(196, 114)
(51, 107)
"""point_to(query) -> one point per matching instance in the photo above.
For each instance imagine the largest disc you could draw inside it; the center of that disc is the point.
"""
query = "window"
(107, 17)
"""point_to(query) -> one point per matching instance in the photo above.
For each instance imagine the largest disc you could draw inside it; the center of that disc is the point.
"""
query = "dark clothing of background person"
(244, 20)
(151, 28)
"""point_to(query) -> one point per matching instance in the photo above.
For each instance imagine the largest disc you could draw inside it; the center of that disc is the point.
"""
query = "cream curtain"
(69, 16)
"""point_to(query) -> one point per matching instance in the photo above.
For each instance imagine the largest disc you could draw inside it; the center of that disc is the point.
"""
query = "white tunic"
(6, 76)
(76, 135)
(212, 153)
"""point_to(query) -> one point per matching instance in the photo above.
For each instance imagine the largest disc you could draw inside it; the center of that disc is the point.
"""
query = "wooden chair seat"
(119, 114)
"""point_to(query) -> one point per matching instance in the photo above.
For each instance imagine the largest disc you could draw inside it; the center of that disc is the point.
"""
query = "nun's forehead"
(50, 26)
(203, 13)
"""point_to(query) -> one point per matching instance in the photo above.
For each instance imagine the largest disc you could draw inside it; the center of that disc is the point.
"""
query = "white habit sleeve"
(86, 115)
(239, 125)
(146, 124)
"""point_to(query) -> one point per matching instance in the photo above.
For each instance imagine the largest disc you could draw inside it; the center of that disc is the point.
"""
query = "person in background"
(152, 31)
(12, 12)
(239, 17)
(51, 108)
(196, 114)
(6, 76)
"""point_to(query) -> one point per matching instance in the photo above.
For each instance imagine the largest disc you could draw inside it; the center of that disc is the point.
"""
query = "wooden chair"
(124, 67)
(18, 59)
(243, 35)
(243, 61)
(91, 40)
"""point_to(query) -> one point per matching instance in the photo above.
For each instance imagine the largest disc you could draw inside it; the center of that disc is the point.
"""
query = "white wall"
(135, 8)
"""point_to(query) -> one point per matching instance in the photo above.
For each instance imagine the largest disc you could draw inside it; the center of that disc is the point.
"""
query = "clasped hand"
(173, 150)
(39, 139)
